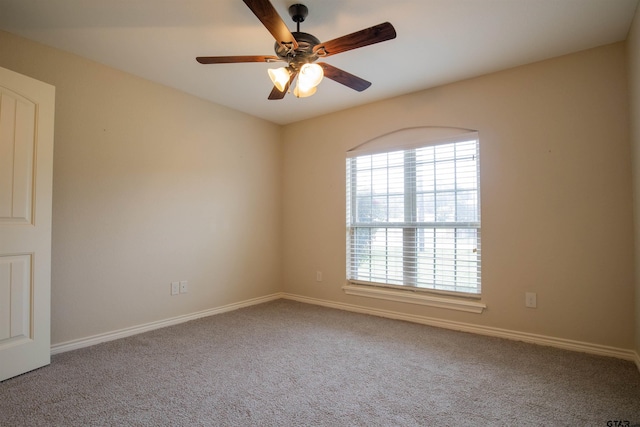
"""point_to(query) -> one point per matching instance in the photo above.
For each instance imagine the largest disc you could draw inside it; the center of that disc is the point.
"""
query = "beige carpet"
(285, 363)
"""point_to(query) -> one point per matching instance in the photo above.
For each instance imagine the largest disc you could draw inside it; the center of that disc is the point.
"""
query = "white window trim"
(413, 296)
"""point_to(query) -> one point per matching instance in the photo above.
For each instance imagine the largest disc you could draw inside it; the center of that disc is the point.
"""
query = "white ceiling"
(438, 42)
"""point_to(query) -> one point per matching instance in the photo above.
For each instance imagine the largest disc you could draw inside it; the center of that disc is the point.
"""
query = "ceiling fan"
(301, 51)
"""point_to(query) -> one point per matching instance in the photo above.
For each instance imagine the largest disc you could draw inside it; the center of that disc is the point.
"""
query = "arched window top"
(411, 137)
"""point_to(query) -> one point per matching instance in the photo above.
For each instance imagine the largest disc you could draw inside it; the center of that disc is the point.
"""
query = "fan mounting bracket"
(298, 13)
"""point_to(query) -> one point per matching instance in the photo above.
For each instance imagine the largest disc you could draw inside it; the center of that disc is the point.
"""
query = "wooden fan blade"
(276, 94)
(267, 14)
(236, 59)
(341, 76)
(376, 34)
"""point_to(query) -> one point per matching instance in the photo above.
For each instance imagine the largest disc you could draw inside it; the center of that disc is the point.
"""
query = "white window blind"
(413, 216)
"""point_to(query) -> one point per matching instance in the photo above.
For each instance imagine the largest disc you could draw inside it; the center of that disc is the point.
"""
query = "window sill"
(413, 297)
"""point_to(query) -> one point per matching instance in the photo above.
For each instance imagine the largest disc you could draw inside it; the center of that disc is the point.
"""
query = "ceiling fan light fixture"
(279, 77)
(310, 76)
(302, 92)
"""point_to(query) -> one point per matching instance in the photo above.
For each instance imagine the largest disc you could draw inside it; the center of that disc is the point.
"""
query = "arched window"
(413, 211)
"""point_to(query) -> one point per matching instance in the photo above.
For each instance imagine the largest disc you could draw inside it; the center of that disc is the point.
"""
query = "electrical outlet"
(175, 288)
(530, 300)
(318, 276)
(184, 286)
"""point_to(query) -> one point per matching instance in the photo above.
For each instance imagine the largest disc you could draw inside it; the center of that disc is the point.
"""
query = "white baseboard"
(126, 332)
(447, 324)
(583, 347)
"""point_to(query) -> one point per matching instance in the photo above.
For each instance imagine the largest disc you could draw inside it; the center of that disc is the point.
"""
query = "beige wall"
(556, 195)
(633, 50)
(151, 186)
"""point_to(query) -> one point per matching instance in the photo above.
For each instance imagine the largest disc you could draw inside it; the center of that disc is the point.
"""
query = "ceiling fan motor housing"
(303, 54)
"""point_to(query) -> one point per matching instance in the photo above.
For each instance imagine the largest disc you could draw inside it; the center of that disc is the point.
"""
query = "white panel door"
(26, 166)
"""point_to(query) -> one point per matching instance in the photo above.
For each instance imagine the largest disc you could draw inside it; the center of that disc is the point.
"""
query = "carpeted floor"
(285, 363)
